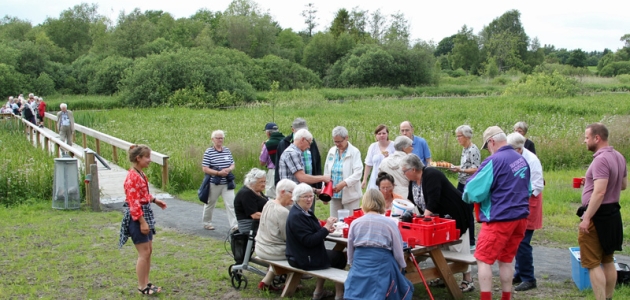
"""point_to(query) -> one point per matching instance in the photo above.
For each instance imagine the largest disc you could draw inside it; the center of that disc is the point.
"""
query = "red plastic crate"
(437, 231)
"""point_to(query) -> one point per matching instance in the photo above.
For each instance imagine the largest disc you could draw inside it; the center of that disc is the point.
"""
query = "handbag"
(204, 190)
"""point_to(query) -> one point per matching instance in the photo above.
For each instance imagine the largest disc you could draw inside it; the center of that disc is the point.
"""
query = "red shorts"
(499, 241)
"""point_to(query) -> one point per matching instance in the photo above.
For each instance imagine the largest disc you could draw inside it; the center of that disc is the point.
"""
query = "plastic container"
(579, 274)
(342, 214)
(400, 206)
(429, 233)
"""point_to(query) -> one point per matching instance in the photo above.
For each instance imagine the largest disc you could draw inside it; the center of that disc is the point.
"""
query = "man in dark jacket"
(269, 156)
(315, 159)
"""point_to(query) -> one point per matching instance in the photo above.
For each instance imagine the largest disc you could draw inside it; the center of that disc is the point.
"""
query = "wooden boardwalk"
(110, 181)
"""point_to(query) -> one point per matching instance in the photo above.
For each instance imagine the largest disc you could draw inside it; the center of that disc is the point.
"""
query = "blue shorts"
(136, 235)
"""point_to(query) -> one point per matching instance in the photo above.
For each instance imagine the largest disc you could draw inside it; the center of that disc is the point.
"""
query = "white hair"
(412, 161)
(464, 130)
(302, 134)
(217, 132)
(253, 175)
(402, 142)
(300, 190)
(286, 185)
(499, 137)
(340, 131)
(516, 140)
(522, 125)
(63, 105)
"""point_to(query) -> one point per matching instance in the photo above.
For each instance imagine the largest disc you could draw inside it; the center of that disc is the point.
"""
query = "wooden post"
(46, 142)
(98, 146)
(57, 154)
(94, 189)
(39, 142)
(115, 154)
(165, 173)
(84, 140)
(89, 161)
(30, 133)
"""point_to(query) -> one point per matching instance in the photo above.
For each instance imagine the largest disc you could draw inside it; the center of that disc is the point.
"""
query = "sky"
(589, 25)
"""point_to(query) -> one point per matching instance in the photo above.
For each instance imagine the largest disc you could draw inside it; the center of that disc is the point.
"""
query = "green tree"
(44, 85)
(577, 58)
(341, 23)
(72, 30)
(13, 82)
(445, 46)
(320, 53)
(108, 73)
(376, 25)
(291, 45)
(505, 40)
(398, 31)
(492, 70)
(465, 53)
(12, 28)
(132, 32)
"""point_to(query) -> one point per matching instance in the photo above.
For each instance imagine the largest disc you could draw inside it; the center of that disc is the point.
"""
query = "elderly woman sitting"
(385, 184)
(343, 164)
(305, 241)
(271, 238)
(249, 201)
(376, 238)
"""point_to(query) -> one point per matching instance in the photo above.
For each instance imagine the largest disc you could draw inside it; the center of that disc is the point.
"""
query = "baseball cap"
(488, 133)
(271, 126)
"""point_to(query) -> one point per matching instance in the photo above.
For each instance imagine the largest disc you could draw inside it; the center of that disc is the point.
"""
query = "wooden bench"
(294, 274)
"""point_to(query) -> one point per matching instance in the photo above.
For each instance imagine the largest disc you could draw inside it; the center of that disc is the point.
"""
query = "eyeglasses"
(218, 138)
(307, 196)
(459, 136)
(339, 142)
(386, 188)
(405, 171)
(308, 141)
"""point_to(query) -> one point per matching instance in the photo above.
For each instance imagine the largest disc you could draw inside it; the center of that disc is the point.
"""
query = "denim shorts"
(136, 235)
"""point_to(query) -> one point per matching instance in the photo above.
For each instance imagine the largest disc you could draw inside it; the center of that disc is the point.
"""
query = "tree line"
(217, 58)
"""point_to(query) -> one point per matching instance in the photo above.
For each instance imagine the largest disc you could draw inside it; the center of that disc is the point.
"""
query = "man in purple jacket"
(501, 186)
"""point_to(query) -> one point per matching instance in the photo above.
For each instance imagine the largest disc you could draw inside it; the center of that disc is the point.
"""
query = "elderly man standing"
(501, 186)
(601, 230)
(268, 156)
(420, 146)
(524, 275)
(391, 165)
(65, 124)
(291, 163)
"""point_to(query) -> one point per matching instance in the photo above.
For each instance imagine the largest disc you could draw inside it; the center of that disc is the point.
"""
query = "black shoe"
(516, 280)
(524, 286)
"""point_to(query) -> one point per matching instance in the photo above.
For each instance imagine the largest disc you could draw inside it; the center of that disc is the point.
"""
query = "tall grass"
(556, 126)
(27, 172)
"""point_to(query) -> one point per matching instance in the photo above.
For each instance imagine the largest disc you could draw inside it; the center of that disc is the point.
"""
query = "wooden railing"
(116, 143)
(34, 132)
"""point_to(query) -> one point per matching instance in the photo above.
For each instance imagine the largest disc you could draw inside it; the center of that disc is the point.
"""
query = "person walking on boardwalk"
(65, 124)
(138, 221)
(601, 231)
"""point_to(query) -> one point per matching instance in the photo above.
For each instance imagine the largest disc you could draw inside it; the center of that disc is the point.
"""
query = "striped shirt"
(217, 160)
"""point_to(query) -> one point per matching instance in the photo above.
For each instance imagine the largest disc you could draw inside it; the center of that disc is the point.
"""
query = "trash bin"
(66, 184)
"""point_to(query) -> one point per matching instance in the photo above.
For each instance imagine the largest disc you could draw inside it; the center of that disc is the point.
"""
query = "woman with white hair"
(250, 200)
(272, 236)
(305, 241)
(521, 127)
(343, 164)
(468, 165)
(391, 165)
(219, 164)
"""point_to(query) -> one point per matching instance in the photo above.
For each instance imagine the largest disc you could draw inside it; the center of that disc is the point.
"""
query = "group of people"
(32, 109)
(504, 193)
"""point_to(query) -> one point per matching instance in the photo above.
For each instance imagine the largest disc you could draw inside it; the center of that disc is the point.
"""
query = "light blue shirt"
(421, 149)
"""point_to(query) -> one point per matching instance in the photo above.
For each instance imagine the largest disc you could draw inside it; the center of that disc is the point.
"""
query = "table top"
(416, 249)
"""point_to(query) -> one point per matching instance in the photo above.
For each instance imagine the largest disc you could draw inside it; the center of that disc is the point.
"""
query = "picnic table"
(443, 268)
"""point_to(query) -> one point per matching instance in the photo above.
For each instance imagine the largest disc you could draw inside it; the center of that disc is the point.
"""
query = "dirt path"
(551, 264)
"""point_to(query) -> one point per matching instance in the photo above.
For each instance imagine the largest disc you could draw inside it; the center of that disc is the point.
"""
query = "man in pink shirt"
(601, 230)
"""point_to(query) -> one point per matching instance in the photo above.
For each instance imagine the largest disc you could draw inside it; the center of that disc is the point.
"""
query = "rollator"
(242, 248)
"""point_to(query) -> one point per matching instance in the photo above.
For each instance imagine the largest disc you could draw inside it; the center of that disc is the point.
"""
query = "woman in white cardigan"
(344, 165)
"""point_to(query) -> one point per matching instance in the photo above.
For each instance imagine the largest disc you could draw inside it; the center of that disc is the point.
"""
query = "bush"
(501, 80)
(290, 75)
(615, 68)
(44, 85)
(108, 73)
(194, 97)
(565, 70)
(457, 73)
(544, 85)
(152, 80)
(12, 82)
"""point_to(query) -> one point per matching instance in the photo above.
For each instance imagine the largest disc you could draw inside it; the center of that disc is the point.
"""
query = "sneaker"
(525, 285)
(268, 287)
(467, 286)
(516, 280)
(473, 247)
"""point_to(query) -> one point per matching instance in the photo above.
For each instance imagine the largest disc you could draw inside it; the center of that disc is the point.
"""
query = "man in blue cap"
(268, 155)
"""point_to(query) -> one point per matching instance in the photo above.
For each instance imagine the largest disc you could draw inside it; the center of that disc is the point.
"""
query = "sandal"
(208, 227)
(322, 295)
(437, 283)
(467, 286)
(150, 290)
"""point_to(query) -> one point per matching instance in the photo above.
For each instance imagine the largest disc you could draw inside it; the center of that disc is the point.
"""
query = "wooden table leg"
(339, 247)
(293, 279)
(440, 263)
